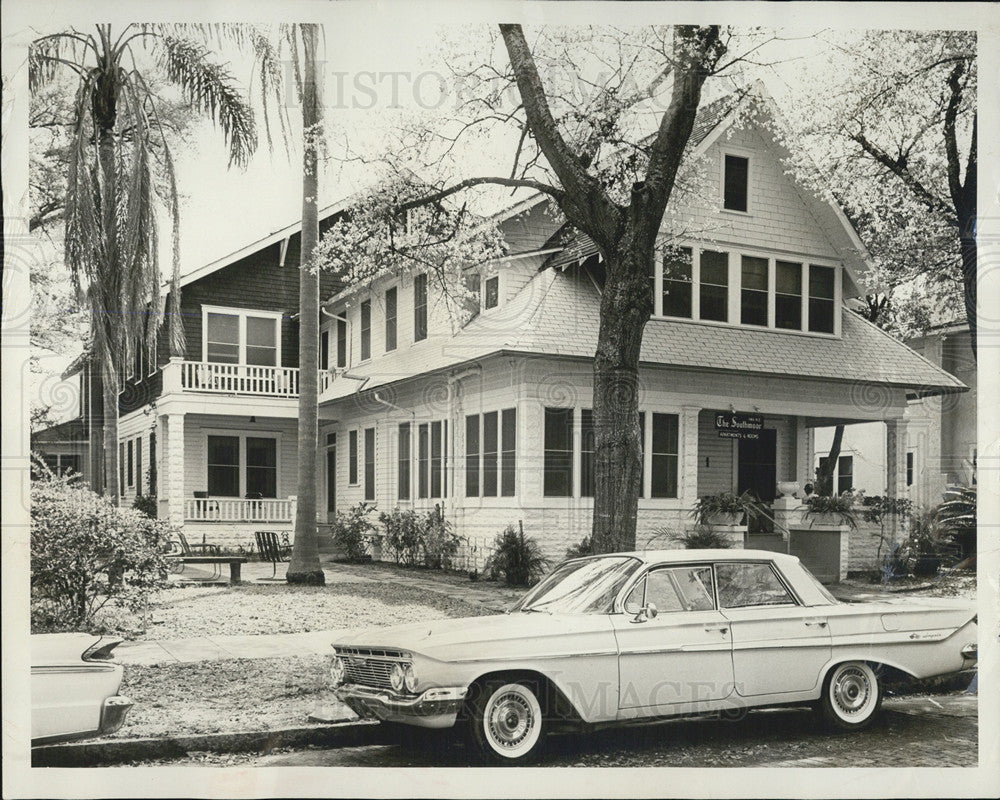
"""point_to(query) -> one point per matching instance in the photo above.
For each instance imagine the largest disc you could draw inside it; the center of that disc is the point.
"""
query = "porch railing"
(246, 379)
(234, 509)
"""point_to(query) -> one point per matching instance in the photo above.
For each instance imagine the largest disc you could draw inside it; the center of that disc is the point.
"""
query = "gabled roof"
(557, 314)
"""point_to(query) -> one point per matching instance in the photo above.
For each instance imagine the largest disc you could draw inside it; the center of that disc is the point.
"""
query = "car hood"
(479, 636)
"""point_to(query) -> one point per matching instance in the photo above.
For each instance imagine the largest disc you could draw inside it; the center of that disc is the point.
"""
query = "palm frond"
(211, 88)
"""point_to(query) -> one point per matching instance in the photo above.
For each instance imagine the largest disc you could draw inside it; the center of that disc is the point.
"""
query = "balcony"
(235, 509)
(235, 379)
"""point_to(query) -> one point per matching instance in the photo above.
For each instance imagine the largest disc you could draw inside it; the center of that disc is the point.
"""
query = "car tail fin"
(100, 650)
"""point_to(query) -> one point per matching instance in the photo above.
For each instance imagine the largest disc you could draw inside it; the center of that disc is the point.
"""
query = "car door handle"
(819, 623)
(719, 628)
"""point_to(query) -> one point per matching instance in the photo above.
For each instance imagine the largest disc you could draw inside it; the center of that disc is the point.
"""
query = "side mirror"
(646, 613)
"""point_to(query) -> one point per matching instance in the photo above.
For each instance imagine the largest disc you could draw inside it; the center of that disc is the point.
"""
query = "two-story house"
(749, 350)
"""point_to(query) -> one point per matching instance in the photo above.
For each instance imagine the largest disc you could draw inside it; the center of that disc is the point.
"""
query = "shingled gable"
(711, 124)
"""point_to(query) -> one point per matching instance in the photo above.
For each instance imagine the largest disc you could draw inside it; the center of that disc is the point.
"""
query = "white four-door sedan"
(615, 638)
(74, 687)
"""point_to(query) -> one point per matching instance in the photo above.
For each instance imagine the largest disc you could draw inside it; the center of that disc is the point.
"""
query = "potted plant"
(725, 508)
(832, 510)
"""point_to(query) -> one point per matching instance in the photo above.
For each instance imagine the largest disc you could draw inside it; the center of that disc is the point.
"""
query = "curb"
(107, 753)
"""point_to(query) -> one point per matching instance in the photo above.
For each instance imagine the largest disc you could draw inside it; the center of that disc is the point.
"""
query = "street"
(923, 731)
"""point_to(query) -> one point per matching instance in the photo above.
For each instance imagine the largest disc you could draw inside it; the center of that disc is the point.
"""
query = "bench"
(235, 563)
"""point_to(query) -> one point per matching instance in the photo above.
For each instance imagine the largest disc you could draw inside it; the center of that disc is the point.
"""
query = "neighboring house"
(750, 349)
(940, 431)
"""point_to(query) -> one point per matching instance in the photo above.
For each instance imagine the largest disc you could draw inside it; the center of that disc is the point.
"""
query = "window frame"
(420, 300)
(365, 330)
(370, 464)
(242, 436)
(571, 427)
(242, 314)
(404, 461)
(747, 155)
(484, 292)
(503, 468)
(796, 600)
(391, 320)
(352, 458)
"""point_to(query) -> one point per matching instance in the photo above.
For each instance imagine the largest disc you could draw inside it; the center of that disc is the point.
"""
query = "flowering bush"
(414, 537)
(86, 552)
(353, 529)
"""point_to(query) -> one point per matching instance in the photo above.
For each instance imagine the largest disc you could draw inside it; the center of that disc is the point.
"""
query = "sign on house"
(739, 426)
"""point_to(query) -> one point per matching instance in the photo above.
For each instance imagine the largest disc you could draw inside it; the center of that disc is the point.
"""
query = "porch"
(253, 380)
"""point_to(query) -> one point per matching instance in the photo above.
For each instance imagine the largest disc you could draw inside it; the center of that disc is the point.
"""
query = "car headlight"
(396, 676)
(410, 678)
(337, 671)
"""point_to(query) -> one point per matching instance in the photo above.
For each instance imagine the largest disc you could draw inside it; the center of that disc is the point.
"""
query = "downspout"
(347, 324)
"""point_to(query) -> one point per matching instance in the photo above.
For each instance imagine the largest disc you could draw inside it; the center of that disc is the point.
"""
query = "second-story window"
(241, 337)
(821, 298)
(788, 295)
(366, 329)
(713, 295)
(736, 183)
(324, 350)
(677, 283)
(420, 307)
(753, 291)
(390, 319)
(341, 343)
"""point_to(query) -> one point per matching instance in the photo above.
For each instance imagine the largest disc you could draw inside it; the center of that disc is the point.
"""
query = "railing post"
(172, 379)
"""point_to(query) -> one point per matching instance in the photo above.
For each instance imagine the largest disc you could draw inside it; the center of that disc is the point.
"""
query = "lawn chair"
(186, 549)
(270, 549)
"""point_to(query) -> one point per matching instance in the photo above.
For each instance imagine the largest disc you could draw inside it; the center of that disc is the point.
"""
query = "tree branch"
(516, 183)
(950, 142)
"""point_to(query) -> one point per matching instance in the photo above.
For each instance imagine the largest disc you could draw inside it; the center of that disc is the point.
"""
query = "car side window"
(673, 589)
(742, 585)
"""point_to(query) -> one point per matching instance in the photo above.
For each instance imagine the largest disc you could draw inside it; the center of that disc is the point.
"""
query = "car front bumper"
(434, 708)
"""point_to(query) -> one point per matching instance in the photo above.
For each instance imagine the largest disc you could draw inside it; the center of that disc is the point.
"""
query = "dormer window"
(491, 292)
(736, 181)
(677, 283)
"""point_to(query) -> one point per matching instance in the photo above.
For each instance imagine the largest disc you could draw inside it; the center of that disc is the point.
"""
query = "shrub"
(517, 558)
(438, 541)
(85, 552)
(701, 537)
(956, 517)
(726, 503)
(352, 530)
(840, 505)
(145, 503)
(931, 548)
(402, 535)
(579, 550)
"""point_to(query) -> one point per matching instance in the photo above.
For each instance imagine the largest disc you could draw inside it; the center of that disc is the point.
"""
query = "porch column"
(895, 469)
(804, 456)
(688, 488)
(172, 479)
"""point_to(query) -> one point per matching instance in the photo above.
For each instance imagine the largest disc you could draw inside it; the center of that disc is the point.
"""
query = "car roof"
(687, 556)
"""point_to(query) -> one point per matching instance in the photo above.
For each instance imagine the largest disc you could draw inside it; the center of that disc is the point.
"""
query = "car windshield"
(584, 586)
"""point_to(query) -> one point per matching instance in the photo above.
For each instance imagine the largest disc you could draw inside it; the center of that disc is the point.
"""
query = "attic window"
(735, 183)
(491, 294)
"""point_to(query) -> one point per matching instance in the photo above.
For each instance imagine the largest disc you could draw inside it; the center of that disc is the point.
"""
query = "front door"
(331, 483)
(679, 660)
(758, 465)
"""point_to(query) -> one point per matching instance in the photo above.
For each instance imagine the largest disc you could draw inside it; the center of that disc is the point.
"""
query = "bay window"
(558, 440)
(432, 460)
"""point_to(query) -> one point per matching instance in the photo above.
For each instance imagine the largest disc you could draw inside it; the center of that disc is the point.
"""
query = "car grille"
(369, 667)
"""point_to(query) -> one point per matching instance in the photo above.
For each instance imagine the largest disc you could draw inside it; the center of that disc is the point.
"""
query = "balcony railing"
(234, 509)
(244, 379)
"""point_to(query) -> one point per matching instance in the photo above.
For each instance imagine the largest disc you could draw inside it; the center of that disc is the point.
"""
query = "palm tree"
(112, 193)
(305, 566)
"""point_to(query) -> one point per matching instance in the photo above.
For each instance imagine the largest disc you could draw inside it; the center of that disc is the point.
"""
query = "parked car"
(633, 636)
(74, 687)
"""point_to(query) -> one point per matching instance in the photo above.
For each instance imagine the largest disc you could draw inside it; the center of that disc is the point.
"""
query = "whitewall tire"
(508, 725)
(851, 697)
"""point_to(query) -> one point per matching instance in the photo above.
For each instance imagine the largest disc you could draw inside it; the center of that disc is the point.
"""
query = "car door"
(779, 645)
(679, 659)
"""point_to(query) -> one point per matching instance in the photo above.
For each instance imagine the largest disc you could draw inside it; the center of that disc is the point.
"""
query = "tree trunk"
(305, 566)
(112, 486)
(626, 305)
(824, 477)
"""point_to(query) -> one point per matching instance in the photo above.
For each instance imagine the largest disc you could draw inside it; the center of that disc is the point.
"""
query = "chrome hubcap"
(851, 691)
(510, 720)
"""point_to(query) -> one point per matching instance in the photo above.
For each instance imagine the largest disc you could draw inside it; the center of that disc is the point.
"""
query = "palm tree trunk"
(305, 566)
